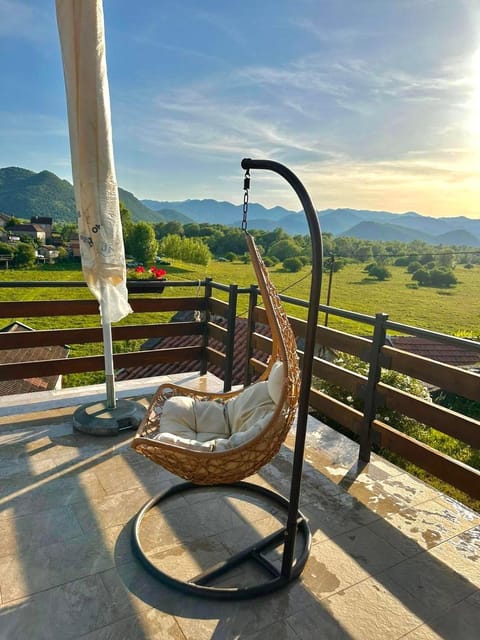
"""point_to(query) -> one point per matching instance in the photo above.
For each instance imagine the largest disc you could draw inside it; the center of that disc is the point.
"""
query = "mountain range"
(24, 193)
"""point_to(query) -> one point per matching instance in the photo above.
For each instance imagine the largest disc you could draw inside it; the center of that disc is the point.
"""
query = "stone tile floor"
(391, 558)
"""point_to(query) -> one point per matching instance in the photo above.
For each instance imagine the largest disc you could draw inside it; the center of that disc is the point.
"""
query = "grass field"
(454, 311)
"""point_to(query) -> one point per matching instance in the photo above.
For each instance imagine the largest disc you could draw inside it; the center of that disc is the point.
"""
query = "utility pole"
(329, 263)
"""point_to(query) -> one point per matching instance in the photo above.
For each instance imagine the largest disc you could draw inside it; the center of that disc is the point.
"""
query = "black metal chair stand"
(294, 555)
(199, 585)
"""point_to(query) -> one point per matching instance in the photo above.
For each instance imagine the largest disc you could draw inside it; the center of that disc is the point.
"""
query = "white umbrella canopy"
(82, 38)
(81, 29)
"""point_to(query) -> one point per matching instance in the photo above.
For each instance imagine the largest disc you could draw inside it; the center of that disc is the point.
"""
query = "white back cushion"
(275, 381)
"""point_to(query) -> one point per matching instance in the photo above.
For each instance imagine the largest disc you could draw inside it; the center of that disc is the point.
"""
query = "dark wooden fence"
(372, 348)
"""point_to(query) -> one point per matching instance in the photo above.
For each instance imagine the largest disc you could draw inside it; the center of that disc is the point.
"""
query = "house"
(74, 246)
(48, 252)
(45, 223)
(30, 354)
(31, 230)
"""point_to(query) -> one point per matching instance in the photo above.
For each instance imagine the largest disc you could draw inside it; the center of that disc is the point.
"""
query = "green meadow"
(454, 311)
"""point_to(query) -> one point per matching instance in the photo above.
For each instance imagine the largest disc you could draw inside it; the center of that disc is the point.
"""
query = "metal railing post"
(230, 341)
(252, 303)
(370, 399)
(208, 295)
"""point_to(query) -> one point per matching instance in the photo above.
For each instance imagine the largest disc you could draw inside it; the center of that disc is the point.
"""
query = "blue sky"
(375, 104)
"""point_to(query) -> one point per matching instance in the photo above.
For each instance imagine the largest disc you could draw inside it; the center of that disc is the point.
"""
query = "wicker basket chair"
(204, 465)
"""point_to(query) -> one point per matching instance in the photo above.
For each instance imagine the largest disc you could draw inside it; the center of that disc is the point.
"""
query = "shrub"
(378, 271)
(292, 264)
(391, 378)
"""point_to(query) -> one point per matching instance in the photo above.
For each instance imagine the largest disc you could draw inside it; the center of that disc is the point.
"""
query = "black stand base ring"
(197, 586)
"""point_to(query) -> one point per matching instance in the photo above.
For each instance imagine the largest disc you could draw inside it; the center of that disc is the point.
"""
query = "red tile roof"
(29, 354)
(239, 355)
(440, 351)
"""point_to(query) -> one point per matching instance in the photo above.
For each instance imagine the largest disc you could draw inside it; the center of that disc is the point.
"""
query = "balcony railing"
(372, 347)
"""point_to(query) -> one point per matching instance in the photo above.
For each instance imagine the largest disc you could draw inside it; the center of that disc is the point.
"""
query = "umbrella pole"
(109, 374)
(108, 353)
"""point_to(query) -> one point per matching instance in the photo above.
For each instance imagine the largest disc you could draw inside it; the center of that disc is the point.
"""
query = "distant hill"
(24, 193)
(224, 212)
(170, 214)
(138, 210)
(358, 223)
(387, 232)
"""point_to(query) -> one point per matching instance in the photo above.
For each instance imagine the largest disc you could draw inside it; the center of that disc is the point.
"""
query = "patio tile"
(392, 494)
(462, 622)
(114, 509)
(64, 612)
(151, 625)
(334, 514)
(463, 553)
(425, 526)
(435, 586)
(20, 534)
(50, 566)
(336, 564)
(391, 558)
(22, 496)
(369, 610)
(116, 474)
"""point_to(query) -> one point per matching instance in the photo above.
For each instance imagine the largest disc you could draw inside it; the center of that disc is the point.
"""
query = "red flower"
(158, 273)
(139, 269)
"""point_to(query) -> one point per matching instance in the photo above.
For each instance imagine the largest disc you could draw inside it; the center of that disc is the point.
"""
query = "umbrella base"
(97, 419)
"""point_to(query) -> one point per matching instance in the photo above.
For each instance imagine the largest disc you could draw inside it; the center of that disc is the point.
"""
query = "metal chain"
(246, 187)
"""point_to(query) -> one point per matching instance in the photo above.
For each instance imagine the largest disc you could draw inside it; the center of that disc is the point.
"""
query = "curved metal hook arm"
(309, 350)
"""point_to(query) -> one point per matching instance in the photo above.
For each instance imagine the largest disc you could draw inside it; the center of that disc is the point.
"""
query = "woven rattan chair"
(206, 462)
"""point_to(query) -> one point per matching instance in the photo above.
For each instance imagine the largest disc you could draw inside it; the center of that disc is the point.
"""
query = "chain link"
(246, 187)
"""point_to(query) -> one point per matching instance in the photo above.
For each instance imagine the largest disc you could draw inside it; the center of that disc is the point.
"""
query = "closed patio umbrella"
(81, 29)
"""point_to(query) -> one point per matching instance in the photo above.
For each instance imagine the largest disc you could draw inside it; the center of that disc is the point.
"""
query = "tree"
(283, 249)
(363, 253)
(447, 259)
(142, 243)
(127, 225)
(12, 222)
(6, 249)
(66, 230)
(24, 255)
(192, 230)
(173, 227)
(187, 249)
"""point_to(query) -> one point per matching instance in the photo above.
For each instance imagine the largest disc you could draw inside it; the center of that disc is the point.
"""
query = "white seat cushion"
(190, 418)
(210, 425)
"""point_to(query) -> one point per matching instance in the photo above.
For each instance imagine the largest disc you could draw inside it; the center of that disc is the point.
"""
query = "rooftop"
(29, 354)
(391, 557)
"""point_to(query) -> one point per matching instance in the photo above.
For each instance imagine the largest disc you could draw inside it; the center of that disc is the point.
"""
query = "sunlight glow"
(475, 103)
